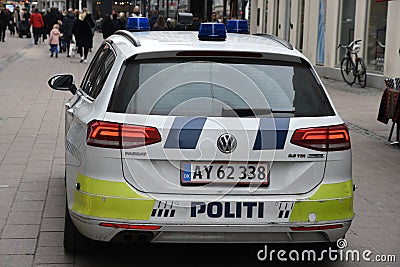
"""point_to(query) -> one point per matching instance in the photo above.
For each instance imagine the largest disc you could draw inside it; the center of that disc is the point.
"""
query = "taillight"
(118, 135)
(329, 138)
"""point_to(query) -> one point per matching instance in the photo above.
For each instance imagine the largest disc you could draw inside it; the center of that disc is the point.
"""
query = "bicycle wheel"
(346, 68)
(362, 74)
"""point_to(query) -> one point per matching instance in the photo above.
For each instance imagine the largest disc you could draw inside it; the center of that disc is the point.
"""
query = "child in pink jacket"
(54, 39)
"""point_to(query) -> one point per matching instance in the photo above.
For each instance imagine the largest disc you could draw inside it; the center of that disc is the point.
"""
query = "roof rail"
(131, 37)
(276, 39)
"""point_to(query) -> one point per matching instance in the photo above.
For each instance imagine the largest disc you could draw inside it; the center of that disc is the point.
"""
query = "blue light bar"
(138, 24)
(212, 32)
(237, 26)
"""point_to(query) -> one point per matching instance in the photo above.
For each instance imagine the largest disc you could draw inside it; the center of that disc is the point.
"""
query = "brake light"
(118, 135)
(330, 138)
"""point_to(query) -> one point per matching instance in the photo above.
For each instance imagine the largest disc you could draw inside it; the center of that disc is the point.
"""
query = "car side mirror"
(63, 82)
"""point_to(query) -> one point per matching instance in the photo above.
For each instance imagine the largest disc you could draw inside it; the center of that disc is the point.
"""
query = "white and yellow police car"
(210, 136)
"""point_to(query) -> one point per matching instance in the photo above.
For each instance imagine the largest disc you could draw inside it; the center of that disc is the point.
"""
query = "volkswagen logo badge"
(226, 143)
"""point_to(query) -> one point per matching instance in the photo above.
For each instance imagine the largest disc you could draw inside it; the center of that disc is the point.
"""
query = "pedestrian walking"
(17, 17)
(4, 19)
(161, 24)
(54, 39)
(107, 27)
(68, 24)
(121, 22)
(51, 18)
(153, 17)
(11, 25)
(83, 35)
(92, 24)
(136, 12)
(37, 23)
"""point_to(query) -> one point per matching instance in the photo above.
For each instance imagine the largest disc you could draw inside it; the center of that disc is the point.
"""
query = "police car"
(214, 136)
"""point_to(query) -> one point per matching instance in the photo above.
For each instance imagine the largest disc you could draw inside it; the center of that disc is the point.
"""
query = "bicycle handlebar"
(349, 45)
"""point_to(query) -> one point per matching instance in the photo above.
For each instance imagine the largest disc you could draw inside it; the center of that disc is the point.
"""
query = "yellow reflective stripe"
(106, 188)
(328, 210)
(115, 208)
(337, 190)
(330, 202)
(110, 199)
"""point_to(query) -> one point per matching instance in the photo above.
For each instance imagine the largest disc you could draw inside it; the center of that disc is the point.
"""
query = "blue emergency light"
(138, 24)
(212, 32)
(237, 26)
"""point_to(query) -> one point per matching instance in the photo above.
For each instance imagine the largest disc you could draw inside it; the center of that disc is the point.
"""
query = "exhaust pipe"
(134, 237)
(144, 237)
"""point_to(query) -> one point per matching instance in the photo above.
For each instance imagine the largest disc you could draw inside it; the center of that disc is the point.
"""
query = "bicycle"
(353, 69)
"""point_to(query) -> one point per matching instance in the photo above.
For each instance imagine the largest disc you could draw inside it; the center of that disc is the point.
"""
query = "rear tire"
(362, 74)
(74, 241)
(346, 68)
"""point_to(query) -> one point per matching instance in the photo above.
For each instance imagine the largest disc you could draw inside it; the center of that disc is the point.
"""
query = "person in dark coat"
(107, 27)
(68, 24)
(83, 35)
(121, 22)
(114, 21)
(4, 20)
(153, 18)
(51, 18)
(92, 24)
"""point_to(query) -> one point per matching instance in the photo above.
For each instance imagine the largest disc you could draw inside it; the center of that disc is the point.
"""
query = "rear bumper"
(202, 218)
(267, 233)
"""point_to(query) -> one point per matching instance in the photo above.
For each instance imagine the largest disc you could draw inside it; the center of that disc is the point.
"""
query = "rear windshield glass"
(219, 88)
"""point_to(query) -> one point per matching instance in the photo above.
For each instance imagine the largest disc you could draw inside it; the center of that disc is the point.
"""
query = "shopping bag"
(72, 47)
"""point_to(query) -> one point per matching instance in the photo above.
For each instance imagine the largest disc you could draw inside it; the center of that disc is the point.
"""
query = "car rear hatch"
(195, 126)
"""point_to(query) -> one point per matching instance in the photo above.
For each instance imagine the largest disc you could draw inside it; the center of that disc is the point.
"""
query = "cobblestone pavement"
(32, 198)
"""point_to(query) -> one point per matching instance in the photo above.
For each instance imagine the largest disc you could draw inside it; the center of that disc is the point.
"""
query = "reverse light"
(122, 136)
(130, 226)
(329, 138)
(316, 228)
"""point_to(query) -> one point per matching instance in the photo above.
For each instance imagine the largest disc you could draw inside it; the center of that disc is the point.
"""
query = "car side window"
(98, 71)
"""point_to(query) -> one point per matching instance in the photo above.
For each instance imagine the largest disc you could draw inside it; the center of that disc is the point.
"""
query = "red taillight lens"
(130, 226)
(117, 135)
(330, 138)
(316, 228)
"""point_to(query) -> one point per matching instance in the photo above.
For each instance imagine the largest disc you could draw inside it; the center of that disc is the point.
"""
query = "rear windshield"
(219, 88)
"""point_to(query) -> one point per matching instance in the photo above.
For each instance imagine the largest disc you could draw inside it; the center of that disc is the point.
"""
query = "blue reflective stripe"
(272, 133)
(185, 132)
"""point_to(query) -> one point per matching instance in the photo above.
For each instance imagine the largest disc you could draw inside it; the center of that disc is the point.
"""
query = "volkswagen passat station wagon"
(215, 136)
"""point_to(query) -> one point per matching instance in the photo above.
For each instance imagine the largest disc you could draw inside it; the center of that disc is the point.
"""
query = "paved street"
(32, 198)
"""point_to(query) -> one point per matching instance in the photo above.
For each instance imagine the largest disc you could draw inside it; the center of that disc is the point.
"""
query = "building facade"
(316, 27)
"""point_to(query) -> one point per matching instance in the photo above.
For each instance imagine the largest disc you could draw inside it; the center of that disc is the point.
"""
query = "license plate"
(242, 173)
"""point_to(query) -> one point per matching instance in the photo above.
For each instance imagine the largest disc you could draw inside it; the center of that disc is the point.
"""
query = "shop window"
(321, 32)
(346, 25)
(376, 35)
